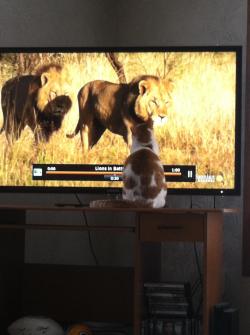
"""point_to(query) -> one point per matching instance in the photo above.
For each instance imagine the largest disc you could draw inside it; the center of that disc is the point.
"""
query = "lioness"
(118, 107)
(39, 101)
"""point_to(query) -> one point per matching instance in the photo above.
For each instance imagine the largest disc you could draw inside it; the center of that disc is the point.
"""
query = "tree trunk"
(117, 66)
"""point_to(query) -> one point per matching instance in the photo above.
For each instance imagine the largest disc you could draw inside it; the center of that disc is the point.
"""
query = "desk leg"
(12, 243)
(11, 266)
(137, 286)
(213, 250)
(147, 269)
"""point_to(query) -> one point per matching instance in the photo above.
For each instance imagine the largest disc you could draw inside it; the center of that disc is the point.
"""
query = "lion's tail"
(75, 132)
(71, 135)
(82, 98)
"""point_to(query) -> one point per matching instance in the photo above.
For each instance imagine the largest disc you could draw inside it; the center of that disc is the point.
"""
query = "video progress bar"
(98, 173)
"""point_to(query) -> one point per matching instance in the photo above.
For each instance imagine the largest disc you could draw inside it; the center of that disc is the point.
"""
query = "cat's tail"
(118, 203)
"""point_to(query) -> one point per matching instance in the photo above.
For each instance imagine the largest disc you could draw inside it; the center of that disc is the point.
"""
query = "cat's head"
(143, 136)
(143, 131)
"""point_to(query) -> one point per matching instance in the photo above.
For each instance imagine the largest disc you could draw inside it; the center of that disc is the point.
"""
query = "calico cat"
(143, 175)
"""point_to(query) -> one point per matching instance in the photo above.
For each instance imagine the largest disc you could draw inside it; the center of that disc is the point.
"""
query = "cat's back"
(143, 178)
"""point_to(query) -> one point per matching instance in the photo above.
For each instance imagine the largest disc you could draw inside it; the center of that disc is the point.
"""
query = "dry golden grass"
(199, 131)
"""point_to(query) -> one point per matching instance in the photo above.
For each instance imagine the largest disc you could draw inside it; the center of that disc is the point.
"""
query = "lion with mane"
(119, 107)
(39, 101)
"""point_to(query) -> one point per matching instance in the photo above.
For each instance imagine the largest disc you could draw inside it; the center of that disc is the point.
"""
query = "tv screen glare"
(44, 133)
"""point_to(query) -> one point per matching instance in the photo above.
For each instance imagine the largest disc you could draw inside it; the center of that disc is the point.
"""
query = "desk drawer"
(157, 227)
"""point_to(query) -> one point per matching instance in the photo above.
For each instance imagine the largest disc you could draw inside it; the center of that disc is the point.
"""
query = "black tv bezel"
(173, 191)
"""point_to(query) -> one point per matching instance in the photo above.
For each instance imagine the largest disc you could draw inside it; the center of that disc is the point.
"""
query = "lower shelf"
(70, 294)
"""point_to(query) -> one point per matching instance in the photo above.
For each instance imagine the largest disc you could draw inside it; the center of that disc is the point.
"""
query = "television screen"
(66, 116)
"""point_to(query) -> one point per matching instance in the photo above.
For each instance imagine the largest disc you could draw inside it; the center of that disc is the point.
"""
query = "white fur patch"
(160, 200)
(159, 121)
(153, 182)
(35, 325)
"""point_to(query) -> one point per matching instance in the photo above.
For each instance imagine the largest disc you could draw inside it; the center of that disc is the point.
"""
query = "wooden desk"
(153, 225)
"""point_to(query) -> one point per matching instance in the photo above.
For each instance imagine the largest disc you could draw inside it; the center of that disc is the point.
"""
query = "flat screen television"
(42, 142)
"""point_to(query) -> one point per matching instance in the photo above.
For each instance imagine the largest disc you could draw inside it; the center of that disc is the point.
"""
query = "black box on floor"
(230, 321)
(225, 320)
(217, 323)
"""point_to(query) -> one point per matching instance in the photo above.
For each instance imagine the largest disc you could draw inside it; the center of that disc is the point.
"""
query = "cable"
(200, 277)
(195, 286)
(89, 233)
(198, 263)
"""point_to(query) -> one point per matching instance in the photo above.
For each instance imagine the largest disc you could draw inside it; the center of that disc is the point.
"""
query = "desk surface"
(108, 209)
(155, 215)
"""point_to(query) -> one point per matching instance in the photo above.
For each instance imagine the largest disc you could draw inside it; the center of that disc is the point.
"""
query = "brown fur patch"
(150, 192)
(142, 133)
(129, 182)
(145, 179)
(149, 158)
(158, 177)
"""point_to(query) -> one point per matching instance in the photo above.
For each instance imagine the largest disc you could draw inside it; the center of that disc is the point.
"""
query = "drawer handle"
(169, 227)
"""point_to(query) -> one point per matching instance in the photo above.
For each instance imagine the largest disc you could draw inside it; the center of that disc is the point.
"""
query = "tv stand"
(150, 227)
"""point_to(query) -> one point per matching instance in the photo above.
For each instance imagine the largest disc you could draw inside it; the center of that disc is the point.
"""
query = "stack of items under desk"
(169, 309)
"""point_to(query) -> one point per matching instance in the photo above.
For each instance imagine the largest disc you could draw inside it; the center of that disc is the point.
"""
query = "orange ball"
(79, 329)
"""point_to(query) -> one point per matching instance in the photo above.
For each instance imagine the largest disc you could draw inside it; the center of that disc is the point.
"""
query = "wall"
(130, 23)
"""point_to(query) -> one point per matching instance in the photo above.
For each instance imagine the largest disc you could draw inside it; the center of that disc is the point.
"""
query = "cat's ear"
(133, 129)
(150, 123)
(143, 86)
(129, 125)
